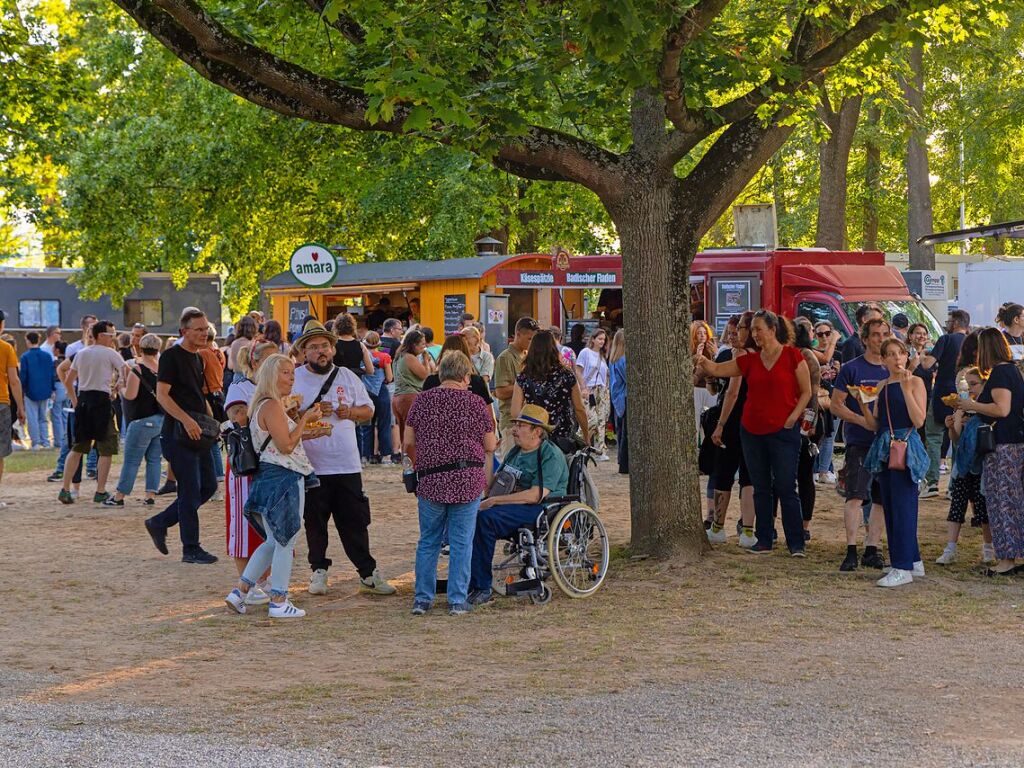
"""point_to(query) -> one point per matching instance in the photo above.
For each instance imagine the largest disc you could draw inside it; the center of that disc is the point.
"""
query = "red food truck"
(815, 283)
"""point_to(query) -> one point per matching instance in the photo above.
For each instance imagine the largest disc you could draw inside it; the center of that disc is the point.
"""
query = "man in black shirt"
(853, 347)
(179, 391)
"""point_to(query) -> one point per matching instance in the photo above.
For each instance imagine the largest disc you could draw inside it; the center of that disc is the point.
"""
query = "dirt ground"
(95, 615)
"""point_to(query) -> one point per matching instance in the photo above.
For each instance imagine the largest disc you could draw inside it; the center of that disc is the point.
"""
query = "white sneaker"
(236, 600)
(256, 596)
(375, 585)
(219, 495)
(318, 584)
(747, 541)
(918, 571)
(717, 537)
(285, 610)
(988, 553)
(828, 477)
(943, 469)
(895, 578)
(603, 457)
(947, 557)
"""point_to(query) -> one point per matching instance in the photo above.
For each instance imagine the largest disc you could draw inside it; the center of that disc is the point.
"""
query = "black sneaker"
(807, 535)
(759, 549)
(849, 564)
(149, 502)
(874, 560)
(56, 477)
(199, 556)
(91, 474)
(112, 502)
(707, 525)
(169, 487)
(158, 535)
(480, 597)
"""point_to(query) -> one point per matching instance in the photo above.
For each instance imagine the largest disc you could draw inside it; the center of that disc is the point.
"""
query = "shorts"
(6, 436)
(859, 482)
(727, 461)
(105, 446)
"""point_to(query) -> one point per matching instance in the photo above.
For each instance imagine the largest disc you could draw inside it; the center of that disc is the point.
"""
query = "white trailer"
(984, 287)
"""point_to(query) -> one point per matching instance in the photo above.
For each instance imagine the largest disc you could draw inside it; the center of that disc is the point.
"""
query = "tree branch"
(692, 23)
(256, 75)
(349, 28)
(810, 65)
(730, 163)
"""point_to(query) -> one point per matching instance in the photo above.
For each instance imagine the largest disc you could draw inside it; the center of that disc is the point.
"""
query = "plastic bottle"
(807, 424)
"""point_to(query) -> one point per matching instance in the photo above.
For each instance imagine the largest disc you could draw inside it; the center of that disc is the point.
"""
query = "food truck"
(815, 283)
(498, 290)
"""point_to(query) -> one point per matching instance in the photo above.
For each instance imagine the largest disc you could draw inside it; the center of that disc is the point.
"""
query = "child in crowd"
(965, 479)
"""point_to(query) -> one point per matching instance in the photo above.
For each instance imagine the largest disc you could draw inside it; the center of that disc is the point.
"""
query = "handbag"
(209, 432)
(986, 440)
(897, 447)
(505, 482)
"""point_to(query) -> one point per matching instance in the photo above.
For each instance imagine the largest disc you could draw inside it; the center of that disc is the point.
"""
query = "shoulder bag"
(897, 447)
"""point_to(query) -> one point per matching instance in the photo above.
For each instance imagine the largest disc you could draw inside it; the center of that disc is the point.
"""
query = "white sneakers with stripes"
(285, 610)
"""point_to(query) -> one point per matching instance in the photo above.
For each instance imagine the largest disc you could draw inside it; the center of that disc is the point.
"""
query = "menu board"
(454, 308)
(297, 312)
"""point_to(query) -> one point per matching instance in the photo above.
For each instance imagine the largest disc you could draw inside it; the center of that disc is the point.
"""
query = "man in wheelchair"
(532, 471)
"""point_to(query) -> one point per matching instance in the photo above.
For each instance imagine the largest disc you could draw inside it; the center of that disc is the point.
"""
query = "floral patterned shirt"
(554, 395)
(450, 425)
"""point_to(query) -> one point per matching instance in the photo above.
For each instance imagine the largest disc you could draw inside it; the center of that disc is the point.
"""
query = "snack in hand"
(867, 393)
(950, 399)
(291, 402)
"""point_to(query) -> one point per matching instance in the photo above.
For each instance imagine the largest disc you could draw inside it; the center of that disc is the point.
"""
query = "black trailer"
(33, 299)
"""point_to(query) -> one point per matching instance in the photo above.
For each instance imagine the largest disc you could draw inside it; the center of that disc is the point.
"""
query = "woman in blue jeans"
(145, 420)
(449, 435)
(778, 391)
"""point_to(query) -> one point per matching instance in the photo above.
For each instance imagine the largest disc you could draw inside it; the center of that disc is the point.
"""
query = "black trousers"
(340, 497)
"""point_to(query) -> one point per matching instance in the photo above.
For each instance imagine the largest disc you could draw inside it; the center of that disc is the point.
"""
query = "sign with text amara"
(314, 265)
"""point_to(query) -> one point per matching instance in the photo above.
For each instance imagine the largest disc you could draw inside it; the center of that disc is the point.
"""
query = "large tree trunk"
(872, 179)
(833, 161)
(919, 190)
(657, 251)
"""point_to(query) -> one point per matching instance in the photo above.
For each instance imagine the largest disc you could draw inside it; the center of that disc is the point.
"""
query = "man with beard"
(335, 458)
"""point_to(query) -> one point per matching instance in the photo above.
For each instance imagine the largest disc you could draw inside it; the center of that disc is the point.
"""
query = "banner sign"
(597, 278)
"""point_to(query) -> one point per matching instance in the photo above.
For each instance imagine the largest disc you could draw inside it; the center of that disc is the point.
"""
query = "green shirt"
(555, 470)
(406, 382)
(508, 365)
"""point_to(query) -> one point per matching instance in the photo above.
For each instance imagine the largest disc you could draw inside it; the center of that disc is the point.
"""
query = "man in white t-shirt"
(336, 461)
(96, 368)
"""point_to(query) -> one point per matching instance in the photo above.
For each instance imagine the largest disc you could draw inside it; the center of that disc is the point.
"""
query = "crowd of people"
(484, 439)
(904, 403)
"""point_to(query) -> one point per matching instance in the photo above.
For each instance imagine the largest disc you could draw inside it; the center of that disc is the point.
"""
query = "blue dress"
(899, 487)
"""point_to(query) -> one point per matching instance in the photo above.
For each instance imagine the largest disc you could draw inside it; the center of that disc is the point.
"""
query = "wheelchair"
(567, 543)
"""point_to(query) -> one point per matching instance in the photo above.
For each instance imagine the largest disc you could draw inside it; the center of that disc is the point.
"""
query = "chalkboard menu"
(454, 308)
(297, 312)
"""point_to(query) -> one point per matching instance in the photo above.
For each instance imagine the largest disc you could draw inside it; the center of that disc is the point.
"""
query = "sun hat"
(311, 330)
(535, 416)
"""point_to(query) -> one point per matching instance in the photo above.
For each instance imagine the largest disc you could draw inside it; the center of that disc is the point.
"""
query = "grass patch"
(30, 461)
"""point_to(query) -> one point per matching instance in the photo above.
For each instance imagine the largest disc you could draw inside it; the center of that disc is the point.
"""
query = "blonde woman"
(242, 538)
(278, 493)
(483, 360)
(592, 367)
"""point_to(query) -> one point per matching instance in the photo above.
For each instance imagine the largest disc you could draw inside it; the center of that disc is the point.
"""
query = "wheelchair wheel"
(543, 598)
(577, 550)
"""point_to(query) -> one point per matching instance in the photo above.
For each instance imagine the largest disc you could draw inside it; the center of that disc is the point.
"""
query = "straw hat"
(312, 329)
(535, 416)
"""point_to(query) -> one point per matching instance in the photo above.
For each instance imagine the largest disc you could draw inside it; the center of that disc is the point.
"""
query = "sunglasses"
(823, 334)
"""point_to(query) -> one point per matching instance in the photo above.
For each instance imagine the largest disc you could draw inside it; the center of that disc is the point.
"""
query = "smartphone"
(593, 400)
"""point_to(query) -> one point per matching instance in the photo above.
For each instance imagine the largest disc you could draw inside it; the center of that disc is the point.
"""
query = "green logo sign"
(314, 265)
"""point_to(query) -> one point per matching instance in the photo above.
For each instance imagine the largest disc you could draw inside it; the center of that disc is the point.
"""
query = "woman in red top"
(778, 390)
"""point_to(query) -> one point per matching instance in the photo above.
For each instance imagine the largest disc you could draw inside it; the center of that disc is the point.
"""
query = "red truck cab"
(818, 284)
